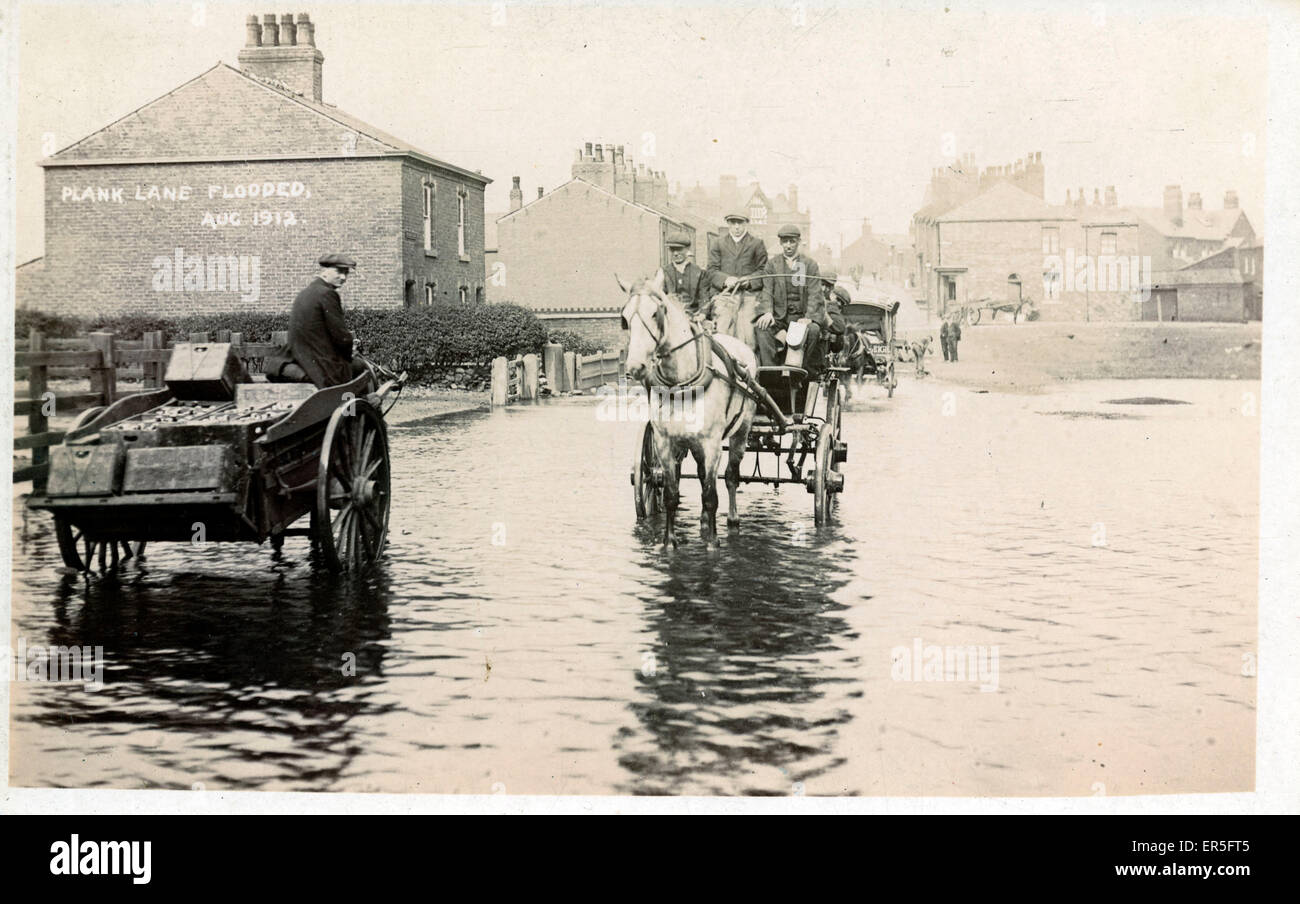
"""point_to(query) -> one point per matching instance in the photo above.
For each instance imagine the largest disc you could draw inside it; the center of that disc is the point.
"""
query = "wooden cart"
(215, 457)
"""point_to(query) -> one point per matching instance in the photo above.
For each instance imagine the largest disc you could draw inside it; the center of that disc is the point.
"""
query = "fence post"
(153, 370)
(199, 337)
(36, 420)
(622, 364)
(528, 385)
(500, 381)
(103, 379)
(553, 357)
(280, 337)
(223, 335)
(571, 371)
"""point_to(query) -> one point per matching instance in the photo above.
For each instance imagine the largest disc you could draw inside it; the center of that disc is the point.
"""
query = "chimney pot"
(1111, 199)
(253, 32)
(514, 181)
(1194, 201)
(539, 191)
(288, 34)
(1230, 200)
(1096, 197)
(516, 196)
(306, 31)
(270, 31)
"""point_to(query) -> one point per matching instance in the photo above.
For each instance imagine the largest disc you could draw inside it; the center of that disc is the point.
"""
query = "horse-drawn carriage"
(729, 405)
(869, 342)
(214, 456)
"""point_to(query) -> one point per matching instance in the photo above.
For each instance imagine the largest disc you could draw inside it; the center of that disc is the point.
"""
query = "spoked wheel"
(646, 493)
(86, 553)
(824, 482)
(353, 496)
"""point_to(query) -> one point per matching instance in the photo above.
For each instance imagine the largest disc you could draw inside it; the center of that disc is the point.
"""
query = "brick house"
(222, 194)
(767, 213)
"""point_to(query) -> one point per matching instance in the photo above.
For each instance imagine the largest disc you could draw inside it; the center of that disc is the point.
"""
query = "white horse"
(695, 405)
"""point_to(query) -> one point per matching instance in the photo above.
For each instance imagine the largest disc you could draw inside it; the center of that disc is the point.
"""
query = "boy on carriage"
(684, 279)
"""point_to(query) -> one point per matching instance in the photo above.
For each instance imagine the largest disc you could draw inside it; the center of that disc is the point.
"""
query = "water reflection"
(738, 693)
(265, 668)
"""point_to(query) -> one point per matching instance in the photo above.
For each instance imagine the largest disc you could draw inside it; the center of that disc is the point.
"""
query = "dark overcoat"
(319, 339)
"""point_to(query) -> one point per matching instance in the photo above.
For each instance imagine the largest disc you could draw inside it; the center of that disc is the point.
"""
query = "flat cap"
(678, 240)
(830, 277)
(337, 260)
(737, 216)
(789, 231)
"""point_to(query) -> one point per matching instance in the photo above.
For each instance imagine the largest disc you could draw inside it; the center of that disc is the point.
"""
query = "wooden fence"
(100, 359)
(518, 379)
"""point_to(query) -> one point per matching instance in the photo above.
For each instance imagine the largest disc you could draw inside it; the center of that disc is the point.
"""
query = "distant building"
(877, 256)
(1080, 260)
(559, 255)
(222, 194)
(767, 214)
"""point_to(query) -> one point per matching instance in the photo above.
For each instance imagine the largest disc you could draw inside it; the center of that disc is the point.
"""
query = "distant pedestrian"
(919, 350)
(943, 340)
(954, 336)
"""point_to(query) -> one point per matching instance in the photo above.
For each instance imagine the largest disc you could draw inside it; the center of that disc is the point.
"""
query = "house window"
(428, 217)
(1108, 242)
(464, 294)
(478, 295)
(758, 214)
(430, 290)
(1051, 240)
(460, 222)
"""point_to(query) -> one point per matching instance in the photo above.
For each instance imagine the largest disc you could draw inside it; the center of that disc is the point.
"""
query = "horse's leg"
(735, 452)
(707, 453)
(672, 490)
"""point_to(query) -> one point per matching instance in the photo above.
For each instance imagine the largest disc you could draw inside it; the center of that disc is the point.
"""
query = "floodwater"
(1090, 566)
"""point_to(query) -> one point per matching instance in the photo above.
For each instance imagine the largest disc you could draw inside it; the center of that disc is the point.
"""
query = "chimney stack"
(1112, 200)
(1068, 202)
(284, 52)
(306, 31)
(516, 196)
(1096, 196)
(539, 192)
(1194, 201)
(792, 194)
(1174, 204)
(1082, 199)
(1230, 200)
(270, 31)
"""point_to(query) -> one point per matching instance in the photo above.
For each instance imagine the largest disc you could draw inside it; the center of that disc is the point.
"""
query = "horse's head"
(651, 320)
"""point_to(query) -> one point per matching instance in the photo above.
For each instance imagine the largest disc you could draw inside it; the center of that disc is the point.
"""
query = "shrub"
(54, 326)
(573, 342)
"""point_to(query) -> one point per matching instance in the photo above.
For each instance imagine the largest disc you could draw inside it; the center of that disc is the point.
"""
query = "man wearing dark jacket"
(735, 254)
(684, 279)
(319, 340)
(792, 290)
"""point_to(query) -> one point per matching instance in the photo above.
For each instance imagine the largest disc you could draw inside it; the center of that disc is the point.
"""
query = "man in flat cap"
(836, 298)
(792, 289)
(320, 343)
(684, 279)
(736, 254)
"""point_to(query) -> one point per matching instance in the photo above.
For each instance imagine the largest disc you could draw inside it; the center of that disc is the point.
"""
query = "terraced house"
(221, 195)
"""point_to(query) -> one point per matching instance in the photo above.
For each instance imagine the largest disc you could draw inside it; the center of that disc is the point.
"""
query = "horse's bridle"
(661, 340)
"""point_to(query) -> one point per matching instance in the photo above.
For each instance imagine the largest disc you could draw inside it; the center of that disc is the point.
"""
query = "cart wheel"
(352, 489)
(649, 499)
(82, 552)
(823, 494)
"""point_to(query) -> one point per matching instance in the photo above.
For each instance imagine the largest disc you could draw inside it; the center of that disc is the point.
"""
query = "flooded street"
(527, 635)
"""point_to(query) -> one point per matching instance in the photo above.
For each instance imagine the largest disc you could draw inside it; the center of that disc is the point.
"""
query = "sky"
(855, 103)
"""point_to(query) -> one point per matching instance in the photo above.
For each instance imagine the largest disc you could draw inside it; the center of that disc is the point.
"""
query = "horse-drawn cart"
(869, 346)
(217, 457)
(783, 429)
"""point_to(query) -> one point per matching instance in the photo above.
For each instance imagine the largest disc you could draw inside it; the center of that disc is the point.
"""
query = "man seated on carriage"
(792, 290)
(736, 254)
(836, 298)
(684, 279)
(320, 344)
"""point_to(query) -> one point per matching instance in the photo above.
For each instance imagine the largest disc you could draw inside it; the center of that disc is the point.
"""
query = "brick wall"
(563, 251)
(118, 253)
(443, 266)
(1223, 303)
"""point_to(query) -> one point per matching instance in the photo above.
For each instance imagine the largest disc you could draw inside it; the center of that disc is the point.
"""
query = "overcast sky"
(853, 102)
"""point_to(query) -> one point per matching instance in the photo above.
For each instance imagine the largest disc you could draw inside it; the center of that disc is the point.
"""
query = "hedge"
(573, 342)
(421, 340)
